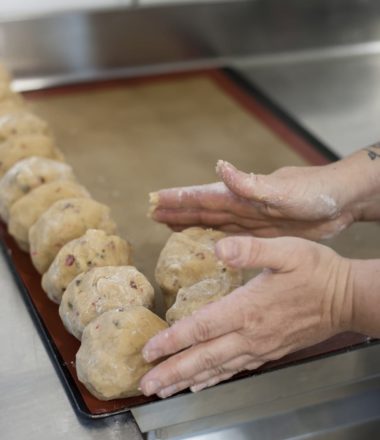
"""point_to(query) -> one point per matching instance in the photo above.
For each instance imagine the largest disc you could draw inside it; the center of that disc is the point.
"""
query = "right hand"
(310, 202)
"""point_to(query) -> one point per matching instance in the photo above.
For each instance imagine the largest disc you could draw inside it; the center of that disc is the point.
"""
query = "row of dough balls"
(86, 268)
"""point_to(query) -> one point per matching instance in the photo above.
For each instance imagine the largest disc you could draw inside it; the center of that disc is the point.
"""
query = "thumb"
(252, 252)
(252, 186)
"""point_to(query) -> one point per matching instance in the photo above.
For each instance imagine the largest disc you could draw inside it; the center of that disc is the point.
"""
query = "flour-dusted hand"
(311, 202)
(301, 297)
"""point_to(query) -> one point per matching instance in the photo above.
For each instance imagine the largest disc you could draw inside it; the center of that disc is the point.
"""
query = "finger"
(252, 186)
(211, 382)
(205, 217)
(207, 323)
(253, 252)
(232, 366)
(212, 196)
(187, 364)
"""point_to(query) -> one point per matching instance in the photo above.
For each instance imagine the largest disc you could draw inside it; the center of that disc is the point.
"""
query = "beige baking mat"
(127, 140)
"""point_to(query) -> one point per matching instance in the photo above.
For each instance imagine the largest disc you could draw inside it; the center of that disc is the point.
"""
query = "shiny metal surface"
(320, 60)
(349, 418)
(270, 393)
(72, 46)
(334, 94)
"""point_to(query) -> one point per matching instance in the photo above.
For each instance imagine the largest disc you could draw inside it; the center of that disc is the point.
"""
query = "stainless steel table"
(319, 59)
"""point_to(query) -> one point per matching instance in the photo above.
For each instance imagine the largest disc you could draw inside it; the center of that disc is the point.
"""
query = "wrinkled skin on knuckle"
(207, 361)
(201, 330)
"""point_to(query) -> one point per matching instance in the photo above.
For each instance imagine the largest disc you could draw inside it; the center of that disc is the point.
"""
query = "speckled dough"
(20, 147)
(63, 221)
(109, 362)
(102, 289)
(27, 210)
(93, 249)
(19, 123)
(189, 257)
(26, 175)
(191, 299)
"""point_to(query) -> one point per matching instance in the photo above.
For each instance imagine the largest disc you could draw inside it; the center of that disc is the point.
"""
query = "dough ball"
(20, 147)
(26, 175)
(63, 221)
(109, 362)
(11, 103)
(189, 257)
(27, 210)
(93, 249)
(5, 75)
(102, 289)
(190, 299)
(20, 123)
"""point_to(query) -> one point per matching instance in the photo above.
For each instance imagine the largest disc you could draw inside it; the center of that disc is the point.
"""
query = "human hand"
(301, 298)
(309, 202)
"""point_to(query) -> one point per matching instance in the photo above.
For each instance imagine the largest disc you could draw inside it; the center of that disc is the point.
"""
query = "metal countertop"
(332, 91)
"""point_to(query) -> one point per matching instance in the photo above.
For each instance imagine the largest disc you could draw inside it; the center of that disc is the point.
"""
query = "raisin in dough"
(26, 175)
(109, 361)
(27, 210)
(20, 123)
(63, 221)
(101, 289)
(192, 298)
(21, 147)
(93, 249)
(189, 257)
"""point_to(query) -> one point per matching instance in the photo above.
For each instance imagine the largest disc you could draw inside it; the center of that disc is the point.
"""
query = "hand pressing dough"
(27, 210)
(109, 361)
(93, 249)
(189, 257)
(191, 299)
(102, 289)
(20, 123)
(26, 175)
(21, 147)
(63, 221)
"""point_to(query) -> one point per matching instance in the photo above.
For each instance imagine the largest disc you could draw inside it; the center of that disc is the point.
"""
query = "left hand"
(301, 299)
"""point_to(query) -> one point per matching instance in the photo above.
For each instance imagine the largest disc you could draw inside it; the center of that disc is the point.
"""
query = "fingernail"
(220, 165)
(168, 391)
(152, 387)
(151, 355)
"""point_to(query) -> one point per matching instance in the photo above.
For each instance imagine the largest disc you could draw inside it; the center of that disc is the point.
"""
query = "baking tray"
(125, 138)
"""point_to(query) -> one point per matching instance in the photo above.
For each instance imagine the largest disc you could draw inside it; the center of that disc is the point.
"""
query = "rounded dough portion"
(20, 123)
(5, 75)
(102, 289)
(93, 249)
(191, 299)
(13, 102)
(109, 361)
(21, 147)
(26, 175)
(63, 221)
(189, 257)
(27, 210)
